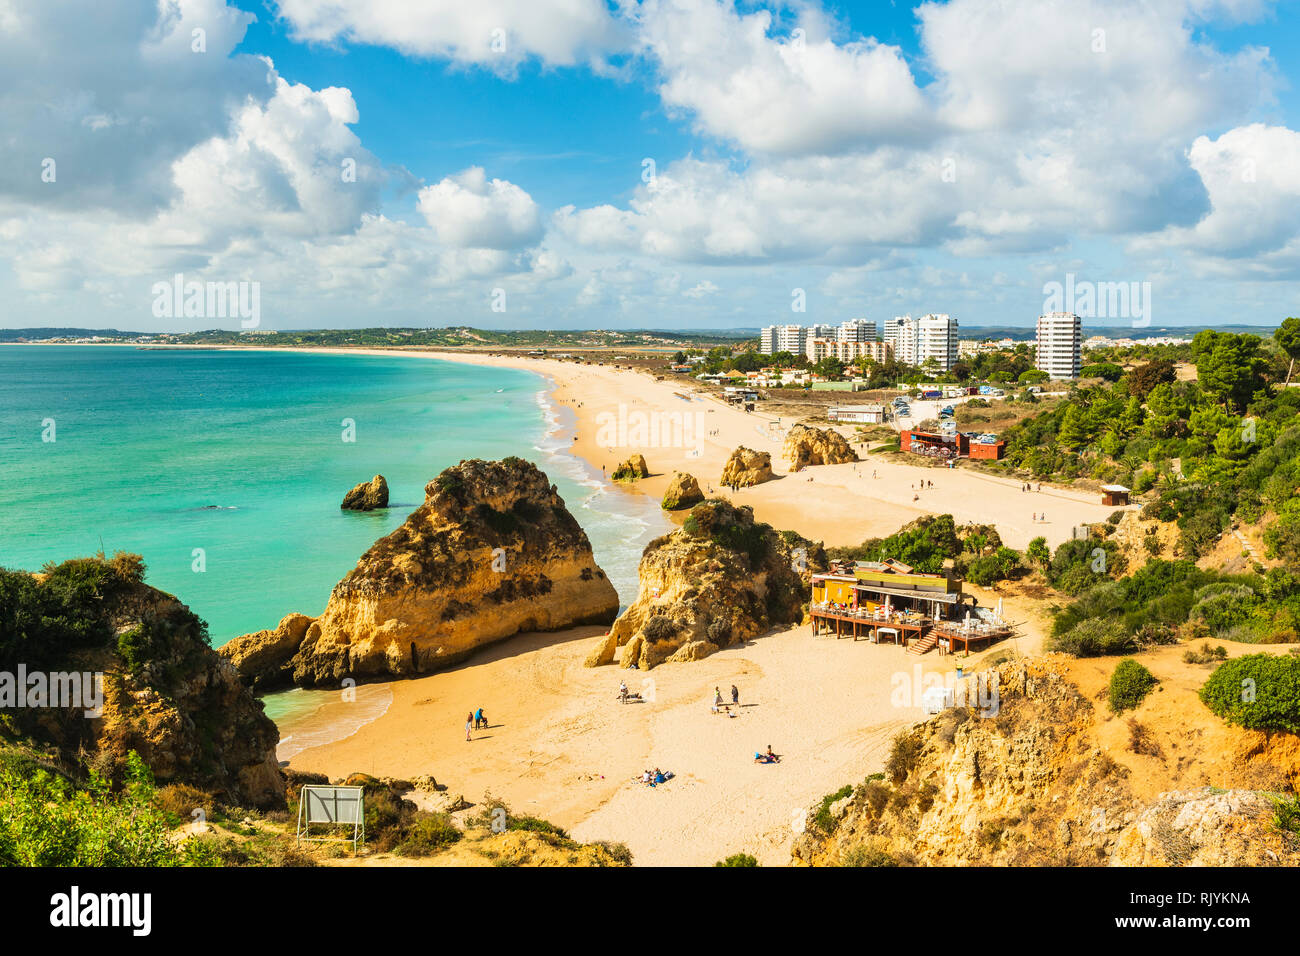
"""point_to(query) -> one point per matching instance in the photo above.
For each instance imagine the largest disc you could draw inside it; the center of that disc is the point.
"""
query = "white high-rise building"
(899, 338)
(857, 330)
(781, 338)
(936, 338)
(1060, 337)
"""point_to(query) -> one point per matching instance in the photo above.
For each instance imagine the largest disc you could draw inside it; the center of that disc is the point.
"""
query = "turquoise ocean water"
(241, 457)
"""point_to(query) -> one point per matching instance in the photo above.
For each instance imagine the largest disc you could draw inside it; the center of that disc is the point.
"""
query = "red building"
(991, 451)
(956, 445)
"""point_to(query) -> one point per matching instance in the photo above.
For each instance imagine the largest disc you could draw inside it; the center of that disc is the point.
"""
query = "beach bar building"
(888, 602)
(1114, 495)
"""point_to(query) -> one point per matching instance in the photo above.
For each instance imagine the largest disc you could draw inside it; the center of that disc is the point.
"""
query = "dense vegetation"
(976, 551)
(1258, 692)
(1165, 601)
(48, 820)
(1225, 447)
(42, 618)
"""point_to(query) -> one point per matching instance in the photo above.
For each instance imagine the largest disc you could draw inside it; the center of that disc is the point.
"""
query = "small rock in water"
(367, 496)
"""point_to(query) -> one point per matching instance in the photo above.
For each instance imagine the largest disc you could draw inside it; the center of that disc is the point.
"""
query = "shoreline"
(692, 432)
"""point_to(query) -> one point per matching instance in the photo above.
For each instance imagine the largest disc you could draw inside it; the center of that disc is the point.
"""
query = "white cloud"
(467, 210)
(1252, 174)
(800, 94)
(1048, 121)
(496, 34)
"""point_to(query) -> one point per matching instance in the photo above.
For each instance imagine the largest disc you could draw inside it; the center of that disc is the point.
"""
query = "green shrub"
(1129, 684)
(617, 851)
(534, 825)
(1258, 692)
(866, 855)
(822, 819)
(1093, 637)
(1286, 813)
(738, 859)
(46, 821)
(904, 752)
(1205, 654)
(427, 835)
(1223, 605)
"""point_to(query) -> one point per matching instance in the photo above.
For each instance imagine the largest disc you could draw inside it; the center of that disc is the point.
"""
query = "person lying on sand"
(768, 757)
(661, 776)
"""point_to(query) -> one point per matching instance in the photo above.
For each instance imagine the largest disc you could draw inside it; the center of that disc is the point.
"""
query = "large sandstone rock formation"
(683, 492)
(1024, 775)
(491, 553)
(805, 445)
(166, 695)
(720, 580)
(632, 469)
(367, 496)
(260, 657)
(747, 467)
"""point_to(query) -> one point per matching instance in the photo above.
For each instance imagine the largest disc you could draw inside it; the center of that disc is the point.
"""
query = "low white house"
(859, 414)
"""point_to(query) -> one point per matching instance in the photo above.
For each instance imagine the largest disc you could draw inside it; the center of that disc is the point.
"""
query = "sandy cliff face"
(166, 695)
(491, 553)
(720, 580)
(1027, 783)
(805, 446)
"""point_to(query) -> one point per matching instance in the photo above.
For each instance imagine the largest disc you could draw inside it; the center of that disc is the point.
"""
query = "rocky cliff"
(165, 693)
(747, 467)
(632, 469)
(720, 580)
(491, 553)
(805, 446)
(1027, 782)
(367, 496)
(683, 492)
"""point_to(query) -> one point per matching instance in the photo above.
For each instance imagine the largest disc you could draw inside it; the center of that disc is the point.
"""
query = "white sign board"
(332, 804)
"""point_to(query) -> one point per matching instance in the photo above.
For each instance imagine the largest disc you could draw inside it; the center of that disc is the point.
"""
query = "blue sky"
(881, 158)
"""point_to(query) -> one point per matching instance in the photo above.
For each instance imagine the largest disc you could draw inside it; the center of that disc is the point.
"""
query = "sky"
(656, 164)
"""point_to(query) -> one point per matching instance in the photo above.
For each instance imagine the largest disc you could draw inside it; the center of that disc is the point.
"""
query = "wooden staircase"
(923, 645)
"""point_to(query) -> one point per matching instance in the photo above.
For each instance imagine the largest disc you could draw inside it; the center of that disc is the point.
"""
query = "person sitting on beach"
(659, 776)
(645, 776)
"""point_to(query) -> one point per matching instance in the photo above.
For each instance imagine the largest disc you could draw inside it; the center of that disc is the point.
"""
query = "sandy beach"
(561, 746)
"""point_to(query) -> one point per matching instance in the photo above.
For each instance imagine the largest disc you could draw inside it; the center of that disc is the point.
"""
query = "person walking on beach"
(735, 695)
(717, 697)
(469, 723)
